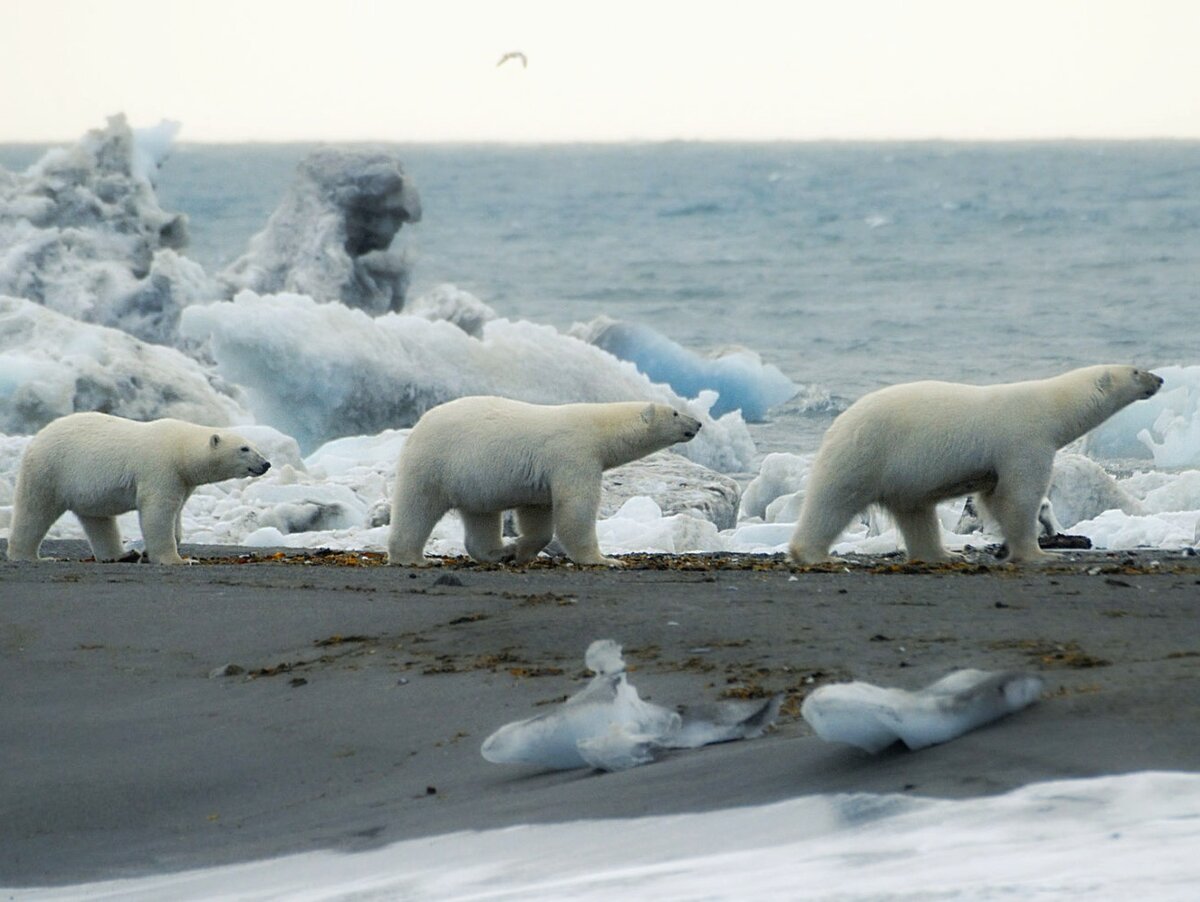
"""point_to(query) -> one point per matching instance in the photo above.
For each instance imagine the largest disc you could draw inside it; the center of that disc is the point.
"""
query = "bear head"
(668, 426)
(1127, 384)
(231, 456)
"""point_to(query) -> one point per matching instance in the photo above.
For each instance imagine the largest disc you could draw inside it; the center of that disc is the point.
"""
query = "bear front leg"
(158, 517)
(922, 534)
(576, 506)
(104, 536)
(536, 527)
(483, 536)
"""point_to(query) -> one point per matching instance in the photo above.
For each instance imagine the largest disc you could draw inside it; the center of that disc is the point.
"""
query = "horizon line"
(530, 142)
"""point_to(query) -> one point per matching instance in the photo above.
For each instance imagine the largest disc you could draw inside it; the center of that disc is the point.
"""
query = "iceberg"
(52, 365)
(331, 236)
(739, 377)
(323, 371)
(82, 233)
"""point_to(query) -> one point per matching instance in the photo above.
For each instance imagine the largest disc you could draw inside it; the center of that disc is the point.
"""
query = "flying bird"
(514, 55)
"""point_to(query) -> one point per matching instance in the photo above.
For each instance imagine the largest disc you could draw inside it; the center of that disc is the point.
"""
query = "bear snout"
(1156, 382)
(261, 468)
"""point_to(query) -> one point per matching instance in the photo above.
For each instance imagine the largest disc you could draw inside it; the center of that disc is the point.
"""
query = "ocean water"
(848, 266)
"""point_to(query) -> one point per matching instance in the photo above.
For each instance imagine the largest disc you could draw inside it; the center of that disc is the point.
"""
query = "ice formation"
(873, 717)
(452, 304)
(607, 725)
(52, 365)
(677, 485)
(779, 474)
(81, 232)
(740, 378)
(331, 236)
(321, 371)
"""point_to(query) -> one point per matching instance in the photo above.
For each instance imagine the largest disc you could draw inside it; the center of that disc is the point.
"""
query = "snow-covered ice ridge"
(1107, 838)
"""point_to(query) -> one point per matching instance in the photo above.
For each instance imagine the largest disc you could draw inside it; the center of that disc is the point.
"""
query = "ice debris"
(607, 726)
(873, 717)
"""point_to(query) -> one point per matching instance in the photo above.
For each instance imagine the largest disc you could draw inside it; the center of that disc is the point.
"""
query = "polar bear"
(485, 455)
(909, 446)
(97, 466)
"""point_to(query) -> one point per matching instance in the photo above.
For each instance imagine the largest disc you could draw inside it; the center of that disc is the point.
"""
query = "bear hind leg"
(30, 523)
(484, 538)
(103, 535)
(413, 518)
(922, 534)
(824, 515)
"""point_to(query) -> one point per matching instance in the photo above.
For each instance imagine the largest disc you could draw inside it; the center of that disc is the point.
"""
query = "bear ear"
(214, 440)
(648, 414)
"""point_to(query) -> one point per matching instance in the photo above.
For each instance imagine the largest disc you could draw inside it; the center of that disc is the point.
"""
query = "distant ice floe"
(82, 233)
(740, 378)
(873, 717)
(322, 371)
(607, 725)
(52, 365)
(331, 236)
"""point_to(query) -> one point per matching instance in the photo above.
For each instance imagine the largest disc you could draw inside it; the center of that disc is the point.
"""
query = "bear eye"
(675, 413)
(245, 447)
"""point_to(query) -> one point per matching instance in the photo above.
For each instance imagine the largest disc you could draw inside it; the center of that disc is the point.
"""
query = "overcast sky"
(233, 70)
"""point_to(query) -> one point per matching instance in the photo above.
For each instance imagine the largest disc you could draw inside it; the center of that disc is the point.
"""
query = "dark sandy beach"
(364, 692)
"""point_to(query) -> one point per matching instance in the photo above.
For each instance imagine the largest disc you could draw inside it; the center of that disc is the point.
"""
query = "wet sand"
(364, 692)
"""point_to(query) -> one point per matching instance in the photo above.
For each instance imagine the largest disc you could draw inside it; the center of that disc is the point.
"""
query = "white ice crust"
(873, 717)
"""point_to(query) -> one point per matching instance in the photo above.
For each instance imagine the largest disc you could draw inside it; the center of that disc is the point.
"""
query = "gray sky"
(603, 69)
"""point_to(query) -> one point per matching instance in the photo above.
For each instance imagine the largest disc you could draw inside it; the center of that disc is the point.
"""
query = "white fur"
(910, 446)
(98, 466)
(485, 455)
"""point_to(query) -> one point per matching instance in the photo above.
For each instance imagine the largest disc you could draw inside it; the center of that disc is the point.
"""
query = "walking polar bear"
(98, 466)
(485, 455)
(910, 446)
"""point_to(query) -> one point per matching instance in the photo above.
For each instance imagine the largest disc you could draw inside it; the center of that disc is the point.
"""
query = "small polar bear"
(98, 466)
(909, 446)
(484, 455)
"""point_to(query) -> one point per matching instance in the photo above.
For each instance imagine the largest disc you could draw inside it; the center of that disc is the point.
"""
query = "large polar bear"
(97, 466)
(485, 455)
(907, 447)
